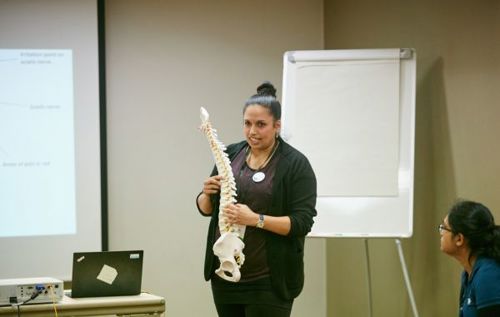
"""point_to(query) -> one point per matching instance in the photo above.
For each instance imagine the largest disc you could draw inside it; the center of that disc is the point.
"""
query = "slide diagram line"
(11, 104)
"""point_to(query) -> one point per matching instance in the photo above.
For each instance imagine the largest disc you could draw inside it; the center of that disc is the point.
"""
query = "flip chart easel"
(352, 113)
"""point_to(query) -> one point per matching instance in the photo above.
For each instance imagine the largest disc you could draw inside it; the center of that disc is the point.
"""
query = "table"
(143, 304)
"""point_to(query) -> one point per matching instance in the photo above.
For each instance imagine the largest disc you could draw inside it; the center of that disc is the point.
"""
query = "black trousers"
(252, 310)
(248, 299)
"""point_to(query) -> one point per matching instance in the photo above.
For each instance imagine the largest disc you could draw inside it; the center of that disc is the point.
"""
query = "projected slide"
(37, 152)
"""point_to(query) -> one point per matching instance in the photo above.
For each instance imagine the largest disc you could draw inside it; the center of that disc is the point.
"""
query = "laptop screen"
(107, 273)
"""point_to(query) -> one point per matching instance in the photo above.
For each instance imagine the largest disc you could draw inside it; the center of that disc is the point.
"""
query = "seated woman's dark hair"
(266, 97)
(476, 223)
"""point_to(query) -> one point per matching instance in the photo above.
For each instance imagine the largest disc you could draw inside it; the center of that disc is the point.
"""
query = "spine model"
(229, 247)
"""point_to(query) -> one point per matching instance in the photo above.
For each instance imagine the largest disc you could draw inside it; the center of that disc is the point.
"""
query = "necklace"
(259, 176)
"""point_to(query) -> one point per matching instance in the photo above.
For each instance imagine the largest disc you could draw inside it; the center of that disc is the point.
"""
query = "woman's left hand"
(241, 214)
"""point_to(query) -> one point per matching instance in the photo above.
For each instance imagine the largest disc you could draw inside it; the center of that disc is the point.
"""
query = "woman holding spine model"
(469, 234)
(276, 198)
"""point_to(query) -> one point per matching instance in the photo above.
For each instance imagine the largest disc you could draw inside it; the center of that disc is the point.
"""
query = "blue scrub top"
(482, 289)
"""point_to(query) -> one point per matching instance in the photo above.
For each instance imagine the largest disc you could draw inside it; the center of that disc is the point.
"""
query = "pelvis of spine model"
(229, 247)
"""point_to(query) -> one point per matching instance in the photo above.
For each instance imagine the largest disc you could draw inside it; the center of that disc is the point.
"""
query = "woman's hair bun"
(266, 89)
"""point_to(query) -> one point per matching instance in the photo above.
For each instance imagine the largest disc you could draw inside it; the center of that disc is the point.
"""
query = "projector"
(20, 290)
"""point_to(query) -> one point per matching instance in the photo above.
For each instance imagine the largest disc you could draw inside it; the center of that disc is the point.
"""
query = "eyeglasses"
(441, 228)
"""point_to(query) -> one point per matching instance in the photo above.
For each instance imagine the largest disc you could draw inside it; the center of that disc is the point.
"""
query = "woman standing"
(469, 234)
(276, 200)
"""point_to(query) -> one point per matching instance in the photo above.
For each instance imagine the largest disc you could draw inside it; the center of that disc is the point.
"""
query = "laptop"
(107, 273)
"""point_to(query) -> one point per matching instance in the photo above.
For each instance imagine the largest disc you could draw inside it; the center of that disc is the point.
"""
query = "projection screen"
(50, 159)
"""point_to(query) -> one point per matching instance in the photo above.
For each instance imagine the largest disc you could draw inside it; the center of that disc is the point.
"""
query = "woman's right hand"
(212, 185)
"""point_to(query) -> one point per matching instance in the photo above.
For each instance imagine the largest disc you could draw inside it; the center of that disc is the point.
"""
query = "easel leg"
(368, 278)
(407, 278)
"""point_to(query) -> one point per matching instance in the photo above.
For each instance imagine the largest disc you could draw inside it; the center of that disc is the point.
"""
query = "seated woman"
(469, 234)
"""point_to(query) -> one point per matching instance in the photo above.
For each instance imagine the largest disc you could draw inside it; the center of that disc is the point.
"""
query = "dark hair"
(476, 223)
(266, 97)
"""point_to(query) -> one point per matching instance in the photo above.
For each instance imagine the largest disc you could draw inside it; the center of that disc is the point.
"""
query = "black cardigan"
(294, 195)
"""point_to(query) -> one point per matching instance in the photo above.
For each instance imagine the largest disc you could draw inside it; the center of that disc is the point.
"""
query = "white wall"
(165, 59)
